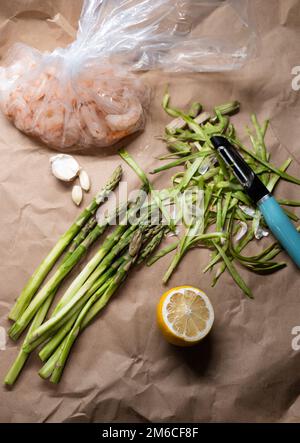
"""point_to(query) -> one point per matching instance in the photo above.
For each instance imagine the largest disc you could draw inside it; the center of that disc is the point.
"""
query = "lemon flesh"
(185, 315)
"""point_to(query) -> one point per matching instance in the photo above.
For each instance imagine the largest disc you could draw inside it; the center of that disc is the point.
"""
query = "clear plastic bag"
(87, 93)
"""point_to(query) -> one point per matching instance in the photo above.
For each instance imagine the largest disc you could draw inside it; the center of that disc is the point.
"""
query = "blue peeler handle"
(281, 226)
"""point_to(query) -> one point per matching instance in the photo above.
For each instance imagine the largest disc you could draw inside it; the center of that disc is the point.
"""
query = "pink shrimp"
(128, 120)
(92, 121)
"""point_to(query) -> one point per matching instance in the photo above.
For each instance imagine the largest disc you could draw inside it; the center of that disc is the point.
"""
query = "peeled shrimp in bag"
(87, 93)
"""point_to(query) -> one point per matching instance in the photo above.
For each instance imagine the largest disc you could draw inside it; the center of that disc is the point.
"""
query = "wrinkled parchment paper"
(121, 369)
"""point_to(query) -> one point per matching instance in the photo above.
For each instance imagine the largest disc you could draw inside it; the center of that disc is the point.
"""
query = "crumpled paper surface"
(121, 369)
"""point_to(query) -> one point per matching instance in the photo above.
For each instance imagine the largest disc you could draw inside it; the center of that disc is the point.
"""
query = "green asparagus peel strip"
(190, 172)
(260, 134)
(291, 215)
(173, 154)
(184, 245)
(232, 270)
(266, 268)
(129, 160)
(228, 108)
(286, 202)
(44, 268)
(154, 194)
(268, 165)
(243, 198)
(181, 160)
(195, 109)
(219, 219)
(275, 178)
(166, 250)
(240, 246)
(225, 207)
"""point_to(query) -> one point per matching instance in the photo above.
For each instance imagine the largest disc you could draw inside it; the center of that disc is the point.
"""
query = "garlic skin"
(242, 231)
(247, 210)
(84, 180)
(260, 232)
(77, 195)
(64, 167)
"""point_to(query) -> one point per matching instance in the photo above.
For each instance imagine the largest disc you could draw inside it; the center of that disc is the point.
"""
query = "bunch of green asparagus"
(91, 290)
(230, 221)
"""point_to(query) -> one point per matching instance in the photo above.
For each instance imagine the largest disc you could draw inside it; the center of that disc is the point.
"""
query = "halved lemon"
(185, 315)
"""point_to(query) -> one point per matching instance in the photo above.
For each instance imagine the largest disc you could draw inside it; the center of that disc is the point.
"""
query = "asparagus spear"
(51, 345)
(74, 308)
(105, 248)
(50, 349)
(55, 363)
(49, 366)
(156, 232)
(47, 369)
(39, 317)
(62, 315)
(18, 327)
(43, 269)
(22, 357)
(87, 228)
(116, 281)
(150, 247)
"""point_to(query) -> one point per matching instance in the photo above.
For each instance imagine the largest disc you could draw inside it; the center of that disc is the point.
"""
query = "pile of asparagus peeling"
(230, 221)
(128, 243)
(228, 211)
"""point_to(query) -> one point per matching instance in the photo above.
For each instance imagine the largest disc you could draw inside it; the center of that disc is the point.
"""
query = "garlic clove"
(77, 195)
(64, 167)
(84, 180)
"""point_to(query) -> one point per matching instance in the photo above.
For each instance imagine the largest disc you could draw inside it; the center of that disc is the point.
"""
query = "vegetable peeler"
(279, 223)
